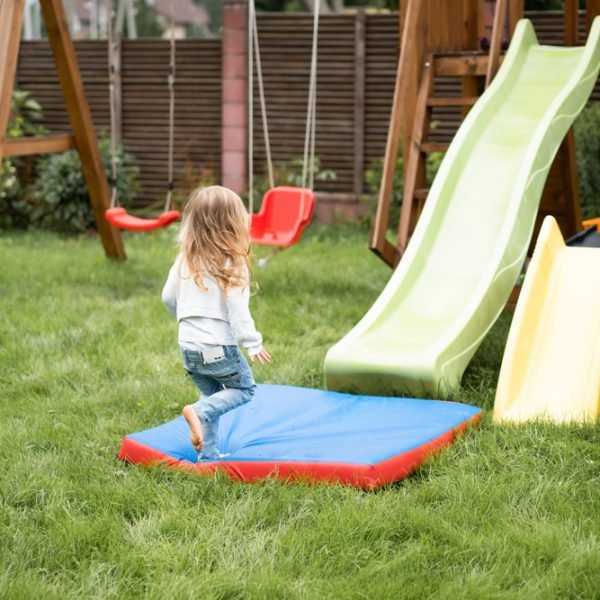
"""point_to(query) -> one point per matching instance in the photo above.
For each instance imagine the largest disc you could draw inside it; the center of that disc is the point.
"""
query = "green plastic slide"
(470, 243)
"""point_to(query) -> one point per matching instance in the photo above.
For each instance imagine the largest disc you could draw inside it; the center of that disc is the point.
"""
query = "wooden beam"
(460, 65)
(388, 253)
(81, 123)
(592, 10)
(459, 101)
(571, 32)
(404, 99)
(496, 43)
(516, 12)
(11, 18)
(415, 172)
(430, 147)
(571, 183)
(359, 100)
(38, 145)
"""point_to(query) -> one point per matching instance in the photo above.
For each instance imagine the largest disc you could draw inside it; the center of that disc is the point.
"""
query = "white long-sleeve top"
(209, 316)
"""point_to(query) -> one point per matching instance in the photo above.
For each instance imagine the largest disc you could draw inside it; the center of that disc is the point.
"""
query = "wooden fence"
(356, 72)
(145, 103)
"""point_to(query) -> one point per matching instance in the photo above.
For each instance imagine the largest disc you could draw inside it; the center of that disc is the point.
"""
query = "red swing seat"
(120, 218)
(284, 214)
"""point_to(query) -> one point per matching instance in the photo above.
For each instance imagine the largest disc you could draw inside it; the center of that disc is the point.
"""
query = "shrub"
(587, 134)
(25, 113)
(373, 177)
(59, 197)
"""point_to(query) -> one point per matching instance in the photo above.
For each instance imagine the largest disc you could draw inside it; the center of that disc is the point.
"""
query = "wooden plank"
(11, 16)
(571, 185)
(388, 253)
(592, 10)
(516, 12)
(571, 26)
(81, 123)
(415, 169)
(403, 102)
(359, 101)
(461, 101)
(461, 65)
(470, 90)
(38, 145)
(496, 42)
(430, 147)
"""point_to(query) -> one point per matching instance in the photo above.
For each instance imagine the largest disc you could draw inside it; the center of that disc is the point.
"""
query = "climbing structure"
(442, 38)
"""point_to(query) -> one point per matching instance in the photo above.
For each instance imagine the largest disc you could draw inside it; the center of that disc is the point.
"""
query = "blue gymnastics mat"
(293, 432)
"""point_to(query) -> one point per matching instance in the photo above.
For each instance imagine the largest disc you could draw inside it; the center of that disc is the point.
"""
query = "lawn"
(88, 353)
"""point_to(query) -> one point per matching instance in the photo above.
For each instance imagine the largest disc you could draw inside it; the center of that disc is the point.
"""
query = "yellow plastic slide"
(551, 365)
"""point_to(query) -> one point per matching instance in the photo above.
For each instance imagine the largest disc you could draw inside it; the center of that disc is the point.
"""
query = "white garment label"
(213, 355)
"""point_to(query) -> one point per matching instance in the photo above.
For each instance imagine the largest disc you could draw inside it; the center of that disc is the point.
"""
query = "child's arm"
(169, 293)
(242, 323)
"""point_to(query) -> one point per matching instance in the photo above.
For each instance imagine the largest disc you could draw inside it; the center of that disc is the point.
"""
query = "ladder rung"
(434, 147)
(461, 101)
(460, 65)
(421, 193)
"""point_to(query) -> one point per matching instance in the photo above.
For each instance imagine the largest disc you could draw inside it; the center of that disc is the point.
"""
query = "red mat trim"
(357, 475)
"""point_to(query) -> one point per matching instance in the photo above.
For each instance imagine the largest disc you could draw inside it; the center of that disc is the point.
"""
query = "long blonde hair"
(214, 238)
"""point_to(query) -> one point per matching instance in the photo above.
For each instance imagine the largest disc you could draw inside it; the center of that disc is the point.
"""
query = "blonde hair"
(214, 238)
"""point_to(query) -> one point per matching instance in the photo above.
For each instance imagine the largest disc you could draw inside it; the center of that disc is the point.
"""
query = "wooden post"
(571, 184)
(516, 11)
(571, 22)
(592, 10)
(81, 123)
(11, 15)
(405, 92)
(359, 100)
(415, 165)
(496, 43)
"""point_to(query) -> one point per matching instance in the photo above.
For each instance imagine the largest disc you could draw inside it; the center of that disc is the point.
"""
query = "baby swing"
(285, 210)
(117, 215)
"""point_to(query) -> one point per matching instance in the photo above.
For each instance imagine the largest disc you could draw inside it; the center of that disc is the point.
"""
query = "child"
(208, 291)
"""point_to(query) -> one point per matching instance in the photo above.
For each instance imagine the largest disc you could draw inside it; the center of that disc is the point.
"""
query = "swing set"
(285, 210)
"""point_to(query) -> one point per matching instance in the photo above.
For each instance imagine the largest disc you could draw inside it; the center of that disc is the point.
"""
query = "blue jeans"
(224, 385)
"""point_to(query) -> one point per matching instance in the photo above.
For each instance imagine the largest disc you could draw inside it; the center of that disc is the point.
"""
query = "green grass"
(88, 353)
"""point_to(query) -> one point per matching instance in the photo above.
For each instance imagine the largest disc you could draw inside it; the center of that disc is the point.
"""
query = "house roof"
(186, 11)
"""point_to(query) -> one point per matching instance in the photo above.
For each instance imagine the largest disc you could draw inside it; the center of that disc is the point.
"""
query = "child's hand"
(263, 357)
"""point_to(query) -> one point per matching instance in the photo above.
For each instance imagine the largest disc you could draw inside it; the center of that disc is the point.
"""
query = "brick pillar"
(234, 112)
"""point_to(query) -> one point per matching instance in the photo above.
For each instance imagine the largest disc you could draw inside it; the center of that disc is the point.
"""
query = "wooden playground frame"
(442, 38)
(83, 136)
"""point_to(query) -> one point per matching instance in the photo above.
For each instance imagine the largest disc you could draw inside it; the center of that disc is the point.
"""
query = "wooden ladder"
(471, 69)
(561, 193)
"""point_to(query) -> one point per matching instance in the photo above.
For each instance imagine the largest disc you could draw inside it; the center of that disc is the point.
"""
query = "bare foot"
(195, 426)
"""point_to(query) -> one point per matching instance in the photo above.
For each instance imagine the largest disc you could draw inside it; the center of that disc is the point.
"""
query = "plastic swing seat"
(120, 218)
(284, 214)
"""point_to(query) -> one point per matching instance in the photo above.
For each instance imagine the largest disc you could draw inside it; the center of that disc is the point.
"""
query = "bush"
(587, 135)
(373, 177)
(59, 199)
(25, 113)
